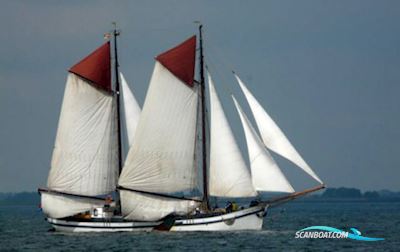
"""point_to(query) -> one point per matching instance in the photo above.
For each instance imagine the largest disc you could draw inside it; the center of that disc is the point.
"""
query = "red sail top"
(96, 67)
(180, 60)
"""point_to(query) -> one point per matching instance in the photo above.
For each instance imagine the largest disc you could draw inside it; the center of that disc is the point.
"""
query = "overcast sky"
(328, 72)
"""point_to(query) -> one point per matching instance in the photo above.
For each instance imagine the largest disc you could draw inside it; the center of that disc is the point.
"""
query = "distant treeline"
(353, 193)
(22, 198)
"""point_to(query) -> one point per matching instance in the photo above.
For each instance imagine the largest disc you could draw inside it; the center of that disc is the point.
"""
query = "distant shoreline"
(343, 194)
(330, 195)
(344, 200)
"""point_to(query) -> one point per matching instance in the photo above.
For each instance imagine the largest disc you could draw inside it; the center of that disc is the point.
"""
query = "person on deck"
(108, 201)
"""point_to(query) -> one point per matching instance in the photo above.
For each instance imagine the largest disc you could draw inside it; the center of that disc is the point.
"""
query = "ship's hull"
(246, 219)
(101, 226)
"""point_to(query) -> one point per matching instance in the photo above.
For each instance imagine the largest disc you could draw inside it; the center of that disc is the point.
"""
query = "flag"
(107, 35)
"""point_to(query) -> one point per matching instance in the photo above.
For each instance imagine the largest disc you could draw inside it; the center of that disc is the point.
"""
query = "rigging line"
(217, 73)
(225, 85)
(223, 59)
(227, 63)
(214, 67)
(169, 28)
(40, 190)
(224, 80)
(158, 194)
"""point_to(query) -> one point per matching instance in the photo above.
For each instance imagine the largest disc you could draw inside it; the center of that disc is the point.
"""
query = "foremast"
(116, 33)
(206, 202)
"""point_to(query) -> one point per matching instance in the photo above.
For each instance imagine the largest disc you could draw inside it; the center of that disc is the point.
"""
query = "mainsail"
(84, 158)
(142, 206)
(60, 206)
(161, 159)
(131, 110)
(265, 172)
(272, 135)
(229, 176)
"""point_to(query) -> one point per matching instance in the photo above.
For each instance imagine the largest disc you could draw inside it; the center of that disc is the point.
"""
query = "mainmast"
(203, 124)
(116, 33)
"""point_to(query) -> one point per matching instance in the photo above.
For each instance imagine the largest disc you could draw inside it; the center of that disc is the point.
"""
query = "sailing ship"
(170, 153)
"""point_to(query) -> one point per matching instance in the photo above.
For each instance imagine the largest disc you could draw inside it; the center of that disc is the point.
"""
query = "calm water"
(23, 228)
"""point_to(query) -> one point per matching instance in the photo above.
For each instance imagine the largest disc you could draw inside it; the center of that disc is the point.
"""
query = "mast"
(117, 86)
(203, 125)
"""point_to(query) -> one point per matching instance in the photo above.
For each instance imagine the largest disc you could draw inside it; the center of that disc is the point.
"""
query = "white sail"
(229, 176)
(161, 158)
(265, 173)
(272, 135)
(60, 206)
(144, 207)
(131, 110)
(85, 160)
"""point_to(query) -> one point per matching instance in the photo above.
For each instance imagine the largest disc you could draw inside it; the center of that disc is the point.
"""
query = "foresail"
(131, 110)
(229, 176)
(265, 173)
(85, 158)
(161, 158)
(61, 206)
(144, 207)
(272, 135)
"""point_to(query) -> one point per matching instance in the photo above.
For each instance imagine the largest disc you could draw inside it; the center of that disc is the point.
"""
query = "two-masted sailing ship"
(171, 153)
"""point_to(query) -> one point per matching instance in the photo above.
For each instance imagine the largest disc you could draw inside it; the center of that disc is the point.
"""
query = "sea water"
(23, 228)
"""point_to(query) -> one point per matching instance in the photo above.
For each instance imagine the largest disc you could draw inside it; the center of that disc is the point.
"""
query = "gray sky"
(326, 71)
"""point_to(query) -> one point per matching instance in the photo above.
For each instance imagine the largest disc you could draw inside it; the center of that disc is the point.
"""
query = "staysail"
(265, 173)
(272, 136)
(84, 158)
(229, 176)
(161, 159)
(131, 110)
